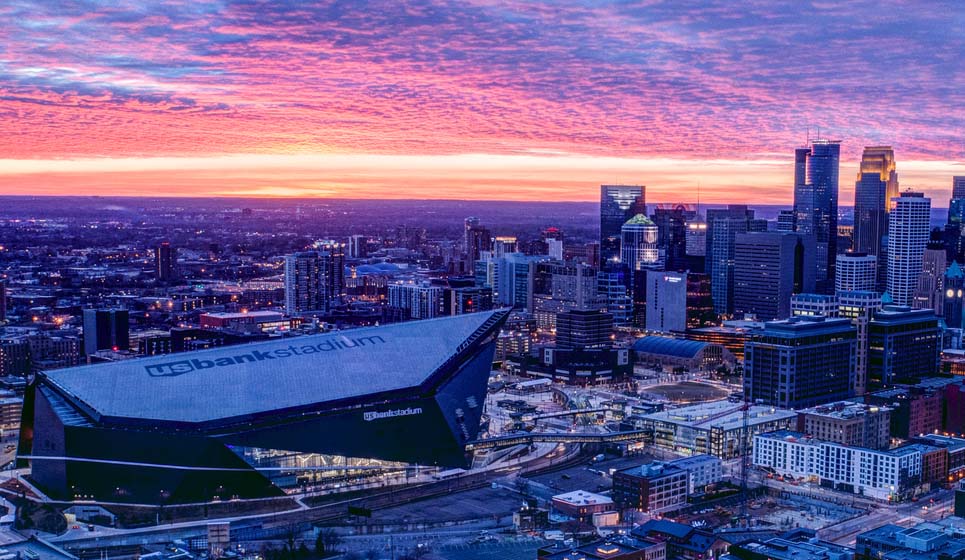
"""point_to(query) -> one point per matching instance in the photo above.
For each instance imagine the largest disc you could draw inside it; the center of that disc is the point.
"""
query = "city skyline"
(474, 101)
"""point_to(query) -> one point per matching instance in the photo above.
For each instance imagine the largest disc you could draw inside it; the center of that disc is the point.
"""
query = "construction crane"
(745, 457)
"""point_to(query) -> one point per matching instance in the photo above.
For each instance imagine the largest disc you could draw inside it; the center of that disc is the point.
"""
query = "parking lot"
(587, 477)
(472, 504)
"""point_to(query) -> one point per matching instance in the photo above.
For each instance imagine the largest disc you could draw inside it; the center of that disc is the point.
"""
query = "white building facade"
(883, 475)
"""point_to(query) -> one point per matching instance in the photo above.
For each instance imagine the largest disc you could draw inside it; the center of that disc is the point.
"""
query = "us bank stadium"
(190, 427)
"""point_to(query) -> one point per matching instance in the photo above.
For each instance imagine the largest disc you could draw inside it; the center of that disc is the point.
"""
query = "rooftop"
(245, 315)
(653, 470)
(669, 346)
(782, 549)
(639, 219)
(844, 410)
(788, 435)
(583, 498)
(290, 373)
(724, 414)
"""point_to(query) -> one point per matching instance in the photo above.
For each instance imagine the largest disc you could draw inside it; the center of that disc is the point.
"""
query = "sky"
(510, 100)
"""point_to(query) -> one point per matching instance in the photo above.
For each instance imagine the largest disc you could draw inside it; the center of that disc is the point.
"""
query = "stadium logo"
(379, 415)
(180, 367)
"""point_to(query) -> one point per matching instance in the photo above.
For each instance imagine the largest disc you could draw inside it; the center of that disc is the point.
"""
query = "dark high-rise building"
(768, 268)
(723, 225)
(467, 299)
(800, 362)
(876, 185)
(929, 293)
(618, 203)
(314, 280)
(786, 220)
(672, 234)
(816, 204)
(954, 286)
(956, 211)
(700, 302)
(903, 344)
(165, 262)
(3, 300)
(358, 246)
(958, 186)
(105, 329)
(478, 239)
(584, 329)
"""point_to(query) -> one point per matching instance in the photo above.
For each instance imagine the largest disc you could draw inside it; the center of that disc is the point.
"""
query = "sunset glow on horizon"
(472, 100)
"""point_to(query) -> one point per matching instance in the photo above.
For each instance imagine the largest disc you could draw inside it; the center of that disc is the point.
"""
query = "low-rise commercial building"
(849, 423)
(683, 541)
(714, 428)
(955, 448)
(654, 488)
(582, 505)
(915, 411)
(659, 487)
(702, 471)
(625, 548)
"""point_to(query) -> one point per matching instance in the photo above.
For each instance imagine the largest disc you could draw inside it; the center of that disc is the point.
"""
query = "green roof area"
(639, 219)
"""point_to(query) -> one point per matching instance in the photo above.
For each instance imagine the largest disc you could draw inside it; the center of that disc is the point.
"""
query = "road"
(103, 538)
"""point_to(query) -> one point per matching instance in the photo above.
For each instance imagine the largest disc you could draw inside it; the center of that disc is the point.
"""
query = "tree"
(327, 541)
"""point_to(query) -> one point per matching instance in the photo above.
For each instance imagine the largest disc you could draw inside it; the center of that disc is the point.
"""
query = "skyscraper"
(928, 292)
(505, 245)
(165, 262)
(515, 279)
(907, 237)
(904, 344)
(800, 362)
(639, 248)
(785, 220)
(478, 240)
(358, 246)
(768, 268)
(671, 223)
(469, 224)
(723, 225)
(876, 185)
(958, 186)
(667, 302)
(581, 329)
(860, 307)
(954, 297)
(816, 204)
(106, 329)
(410, 300)
(855, 272)
(618, 203)
(314, 280)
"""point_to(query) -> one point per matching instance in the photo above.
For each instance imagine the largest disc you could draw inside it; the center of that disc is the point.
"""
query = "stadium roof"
(668, 346)
(289, 373)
